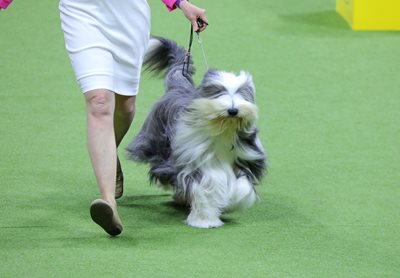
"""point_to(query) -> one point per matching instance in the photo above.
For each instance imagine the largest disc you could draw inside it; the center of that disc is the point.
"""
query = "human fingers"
(202, 23)
(201, 20)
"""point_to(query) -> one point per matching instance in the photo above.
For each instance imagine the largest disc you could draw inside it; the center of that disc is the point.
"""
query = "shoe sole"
(103, 215)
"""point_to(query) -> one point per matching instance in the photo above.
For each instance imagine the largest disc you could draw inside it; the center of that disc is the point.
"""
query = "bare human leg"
(100, 106)
(123, 116)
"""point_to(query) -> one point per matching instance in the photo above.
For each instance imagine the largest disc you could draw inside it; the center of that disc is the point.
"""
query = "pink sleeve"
(4, 3)
(169, 3)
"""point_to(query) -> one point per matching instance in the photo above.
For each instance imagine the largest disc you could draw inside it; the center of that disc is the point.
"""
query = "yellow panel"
(370, 14)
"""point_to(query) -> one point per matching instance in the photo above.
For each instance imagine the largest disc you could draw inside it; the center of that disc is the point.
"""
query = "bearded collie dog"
(201, 142)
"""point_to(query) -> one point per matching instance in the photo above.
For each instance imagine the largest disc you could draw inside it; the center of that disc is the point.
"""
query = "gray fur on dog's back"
(153, 143)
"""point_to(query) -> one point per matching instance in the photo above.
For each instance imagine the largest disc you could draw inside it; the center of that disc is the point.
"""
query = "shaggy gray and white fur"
(202, 143)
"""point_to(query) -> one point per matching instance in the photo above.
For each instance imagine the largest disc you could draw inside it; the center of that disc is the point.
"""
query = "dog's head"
(226, 100)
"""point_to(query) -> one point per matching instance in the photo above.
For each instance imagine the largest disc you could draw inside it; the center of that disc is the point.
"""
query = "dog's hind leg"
(243, 195)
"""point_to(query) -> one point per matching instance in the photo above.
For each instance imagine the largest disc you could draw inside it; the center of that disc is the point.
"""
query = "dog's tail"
(165, 56)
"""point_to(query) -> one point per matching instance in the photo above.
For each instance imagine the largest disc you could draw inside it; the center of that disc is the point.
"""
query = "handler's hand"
(193, 13)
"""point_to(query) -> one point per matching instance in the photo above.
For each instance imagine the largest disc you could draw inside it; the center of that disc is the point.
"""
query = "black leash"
(188, 56)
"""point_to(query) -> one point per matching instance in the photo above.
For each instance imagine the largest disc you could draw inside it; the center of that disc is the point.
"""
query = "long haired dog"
(201, 142)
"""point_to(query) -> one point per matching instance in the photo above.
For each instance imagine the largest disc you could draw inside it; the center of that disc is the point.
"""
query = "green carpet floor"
(330, 120)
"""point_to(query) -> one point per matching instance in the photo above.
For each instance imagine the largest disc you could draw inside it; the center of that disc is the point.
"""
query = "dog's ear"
(211, 86)
(249, 81)
(210, 77)
(247, 90)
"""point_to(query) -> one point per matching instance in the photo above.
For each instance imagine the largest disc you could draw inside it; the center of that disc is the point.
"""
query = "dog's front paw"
(203, 223)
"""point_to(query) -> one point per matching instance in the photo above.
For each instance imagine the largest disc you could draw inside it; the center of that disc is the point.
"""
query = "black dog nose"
(233, 111)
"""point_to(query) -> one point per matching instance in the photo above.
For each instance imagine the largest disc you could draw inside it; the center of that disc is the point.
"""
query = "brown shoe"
(103, 214)
(119, 183)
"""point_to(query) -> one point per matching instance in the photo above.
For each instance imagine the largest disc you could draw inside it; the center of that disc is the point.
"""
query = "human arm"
(191, 12)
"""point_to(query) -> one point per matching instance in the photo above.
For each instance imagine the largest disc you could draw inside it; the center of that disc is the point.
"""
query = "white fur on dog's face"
(220, 93)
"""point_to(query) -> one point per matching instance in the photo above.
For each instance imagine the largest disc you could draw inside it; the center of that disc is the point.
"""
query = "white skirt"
(106, 41)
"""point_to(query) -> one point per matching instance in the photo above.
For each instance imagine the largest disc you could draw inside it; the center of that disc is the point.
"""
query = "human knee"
(128, 112)
(125, 106)
(100, 103)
